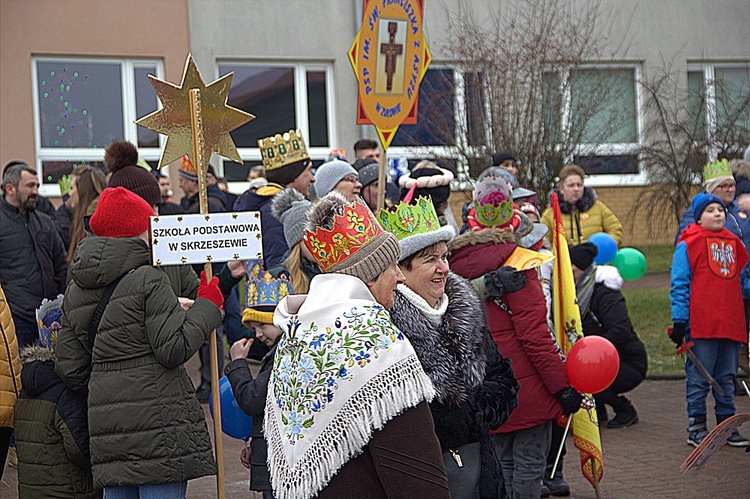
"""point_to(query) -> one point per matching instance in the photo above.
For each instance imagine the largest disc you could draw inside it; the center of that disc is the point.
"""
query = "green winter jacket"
(146, 425)
(52, 438)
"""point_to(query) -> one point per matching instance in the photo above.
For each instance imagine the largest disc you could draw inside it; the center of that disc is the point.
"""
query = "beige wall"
(132, 28)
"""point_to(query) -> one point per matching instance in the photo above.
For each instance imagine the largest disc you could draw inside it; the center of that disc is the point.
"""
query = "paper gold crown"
(187, 166)
(278, 151)
(410, 219)
(262, 293)
(720, 168)
(262, 289)
(64, 184)
(352, 230)
(493, 202)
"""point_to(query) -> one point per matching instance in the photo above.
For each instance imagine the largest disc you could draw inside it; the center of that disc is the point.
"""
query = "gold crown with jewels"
(281, 150)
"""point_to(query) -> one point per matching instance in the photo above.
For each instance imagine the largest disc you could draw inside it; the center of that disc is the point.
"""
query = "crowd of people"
(399, 354)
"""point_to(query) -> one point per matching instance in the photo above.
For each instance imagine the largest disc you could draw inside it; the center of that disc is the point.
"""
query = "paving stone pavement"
(642, 461)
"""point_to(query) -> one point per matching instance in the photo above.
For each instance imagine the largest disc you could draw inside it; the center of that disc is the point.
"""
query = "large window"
(451, 117)
(595, 109)
(282, 97)
(81, 105)
(719, 103)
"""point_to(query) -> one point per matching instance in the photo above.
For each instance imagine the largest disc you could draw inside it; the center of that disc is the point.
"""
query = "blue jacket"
(680, 284)
(274, 244)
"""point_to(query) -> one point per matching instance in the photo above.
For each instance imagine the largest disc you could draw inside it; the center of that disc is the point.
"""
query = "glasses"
(727, 187)
(350, 178)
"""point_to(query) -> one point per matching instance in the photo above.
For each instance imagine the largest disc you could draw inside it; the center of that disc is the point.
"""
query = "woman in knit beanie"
(346, 412)
(147, 429)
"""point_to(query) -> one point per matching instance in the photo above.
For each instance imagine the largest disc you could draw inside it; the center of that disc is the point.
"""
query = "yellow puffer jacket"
(10, 364)
(587, 217)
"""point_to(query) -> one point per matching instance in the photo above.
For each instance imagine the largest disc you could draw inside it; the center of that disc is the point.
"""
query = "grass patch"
(659, 257)
(650, 315)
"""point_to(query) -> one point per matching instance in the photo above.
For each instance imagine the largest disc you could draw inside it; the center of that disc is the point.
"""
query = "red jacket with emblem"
(522, 335)
(706, 288)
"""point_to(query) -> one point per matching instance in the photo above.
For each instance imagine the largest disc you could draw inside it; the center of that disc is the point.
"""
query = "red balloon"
(592, 364)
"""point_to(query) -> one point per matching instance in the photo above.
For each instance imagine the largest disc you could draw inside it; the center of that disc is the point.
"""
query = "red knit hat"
(120, 213)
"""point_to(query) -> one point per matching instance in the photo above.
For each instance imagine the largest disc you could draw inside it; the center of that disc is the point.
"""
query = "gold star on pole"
(173, 120)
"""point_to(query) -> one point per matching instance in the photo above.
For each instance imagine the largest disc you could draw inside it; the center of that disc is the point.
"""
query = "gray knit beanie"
(370, 260)
(329, 174)
(291, 208)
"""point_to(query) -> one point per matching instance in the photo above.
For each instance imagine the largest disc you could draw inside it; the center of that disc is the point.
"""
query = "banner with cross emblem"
(390, 57)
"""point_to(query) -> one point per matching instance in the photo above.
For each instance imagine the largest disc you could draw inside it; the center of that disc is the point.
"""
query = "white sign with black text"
(213, 237)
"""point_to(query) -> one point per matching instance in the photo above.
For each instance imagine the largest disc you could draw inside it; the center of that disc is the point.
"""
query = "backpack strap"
(99, 312)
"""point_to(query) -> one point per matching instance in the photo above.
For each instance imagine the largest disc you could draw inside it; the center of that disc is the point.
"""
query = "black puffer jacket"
(33, 261)
(607, 315)
(146, 425)
(52, 436)
(476, 388)
(251, 397)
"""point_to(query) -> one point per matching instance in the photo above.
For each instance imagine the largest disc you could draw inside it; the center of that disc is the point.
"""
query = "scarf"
(448, 340)
(585, 289)
(342, 370)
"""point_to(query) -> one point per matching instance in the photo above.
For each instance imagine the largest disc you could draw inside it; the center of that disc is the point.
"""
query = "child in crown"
(706, 301)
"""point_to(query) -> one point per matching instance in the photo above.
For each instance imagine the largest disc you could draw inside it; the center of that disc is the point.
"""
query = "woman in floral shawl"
(346, 411)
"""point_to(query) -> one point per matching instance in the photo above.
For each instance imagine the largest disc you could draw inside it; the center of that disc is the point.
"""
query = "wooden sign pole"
(197, 131)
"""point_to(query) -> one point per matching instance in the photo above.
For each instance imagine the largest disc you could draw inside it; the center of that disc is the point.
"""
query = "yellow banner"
(568, 330)
(525, 259)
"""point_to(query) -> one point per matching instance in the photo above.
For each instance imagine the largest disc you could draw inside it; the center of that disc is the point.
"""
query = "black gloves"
(570, 400)
(679, 330)
(504, 280)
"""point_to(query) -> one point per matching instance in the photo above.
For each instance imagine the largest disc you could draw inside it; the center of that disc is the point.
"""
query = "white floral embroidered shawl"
(341, 371)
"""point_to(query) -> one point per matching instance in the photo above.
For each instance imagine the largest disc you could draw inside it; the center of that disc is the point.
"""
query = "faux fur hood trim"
(37, 352)
(582, 205)
(741, 168)
(490, 235)
(609, 276)
(451, 352)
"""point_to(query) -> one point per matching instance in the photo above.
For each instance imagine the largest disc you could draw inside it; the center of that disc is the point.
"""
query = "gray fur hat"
(412, 244)
(329, 174)
(370, 260)
(291, 208)
(529, 233)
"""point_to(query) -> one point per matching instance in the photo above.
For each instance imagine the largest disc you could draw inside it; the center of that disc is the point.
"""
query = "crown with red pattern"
(352, 230)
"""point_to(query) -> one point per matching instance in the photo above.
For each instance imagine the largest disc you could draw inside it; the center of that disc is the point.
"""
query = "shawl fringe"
(386, 395)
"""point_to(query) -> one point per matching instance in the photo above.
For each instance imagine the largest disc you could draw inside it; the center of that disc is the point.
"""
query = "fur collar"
(434, 315)
(609, 276)
(582, 205)
(490, 235)
(450, 351)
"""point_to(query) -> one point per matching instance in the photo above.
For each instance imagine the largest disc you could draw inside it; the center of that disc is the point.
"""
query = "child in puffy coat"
(52, 434)
(707, 308)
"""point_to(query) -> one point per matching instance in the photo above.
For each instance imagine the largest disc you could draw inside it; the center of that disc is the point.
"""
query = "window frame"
(708, 69)
(130, 129)
(461, 132)
(301, 115)
(606, 148)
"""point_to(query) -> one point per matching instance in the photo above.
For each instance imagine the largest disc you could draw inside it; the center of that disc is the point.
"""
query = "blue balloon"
(234, 422)
(606, 245)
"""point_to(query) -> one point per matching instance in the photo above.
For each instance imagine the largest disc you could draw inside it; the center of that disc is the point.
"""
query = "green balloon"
(631, 263)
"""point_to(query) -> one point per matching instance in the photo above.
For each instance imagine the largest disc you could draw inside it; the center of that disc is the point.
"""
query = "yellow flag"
(568, 329)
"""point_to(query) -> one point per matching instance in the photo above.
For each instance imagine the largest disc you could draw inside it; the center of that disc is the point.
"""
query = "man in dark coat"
(33, 260)
(287, 165)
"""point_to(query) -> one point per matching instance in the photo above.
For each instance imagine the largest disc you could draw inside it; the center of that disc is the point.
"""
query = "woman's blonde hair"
(567, 171)
(293, 264)
(90, 182)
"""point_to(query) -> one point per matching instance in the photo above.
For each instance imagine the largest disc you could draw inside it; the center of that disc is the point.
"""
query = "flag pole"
(562, 446)
(196, 126)
(596, 478)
